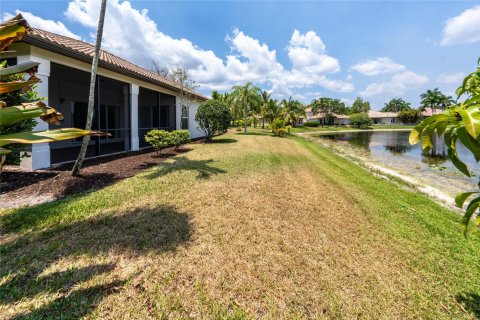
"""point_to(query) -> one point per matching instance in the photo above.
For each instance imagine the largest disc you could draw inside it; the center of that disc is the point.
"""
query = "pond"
(392, 151)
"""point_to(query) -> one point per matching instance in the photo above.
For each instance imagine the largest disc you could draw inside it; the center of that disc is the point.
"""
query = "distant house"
(130, 100)
(379, 117)
(430, 112)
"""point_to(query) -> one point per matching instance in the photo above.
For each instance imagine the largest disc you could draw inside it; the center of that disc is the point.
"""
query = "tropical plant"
(294, 109)
(91, 96)
(460, 121)
(247, 99)
(434, 99)
(12, 30)
(273, 110)
(179, 137)
(279, 127)
(213, 117)
(396, 105)
(360, 106)
(360, 120)
(409, 116)
(311, 124)
(265, 99)
(159, 139)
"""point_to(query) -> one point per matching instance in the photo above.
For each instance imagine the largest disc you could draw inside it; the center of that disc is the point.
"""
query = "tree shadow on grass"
(202, 167)
(223, 140)
(255, 133)
(136, 232)
(471, 302)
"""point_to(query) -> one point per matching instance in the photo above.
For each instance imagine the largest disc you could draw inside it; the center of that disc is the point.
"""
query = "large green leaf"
(453, 155)
(462, 197)
(472, 207)
(42, 136)
(13, 30)
(25, 67)
(469, 142)
(6, 87)
(16, 114)
(427, 136)
(471, 119)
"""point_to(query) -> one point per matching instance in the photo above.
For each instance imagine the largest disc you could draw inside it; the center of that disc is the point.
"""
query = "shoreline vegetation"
(248, 226)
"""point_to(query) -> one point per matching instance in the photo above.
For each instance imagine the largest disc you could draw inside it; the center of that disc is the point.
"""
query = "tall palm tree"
(294, 109)
(446, 101)
(396, 105)
(91, 96)
(246, 99)
(265, 100)
(430, 99)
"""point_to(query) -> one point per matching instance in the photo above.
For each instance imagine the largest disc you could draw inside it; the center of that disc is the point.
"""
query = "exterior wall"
(388, 120)
(40, 153)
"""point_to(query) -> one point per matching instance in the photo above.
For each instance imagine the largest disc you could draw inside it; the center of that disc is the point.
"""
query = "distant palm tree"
(265, 100)
(446, 101)
(91, 97)
(246, 98)
(396, 105)
(294, 109)
(273, 110)
(430, 99)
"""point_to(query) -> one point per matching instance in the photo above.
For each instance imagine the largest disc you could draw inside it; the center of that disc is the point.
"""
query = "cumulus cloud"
(249, 60)
(450, 78)
(396, 86)
(462, 29)
(378, 66)
(44, 24)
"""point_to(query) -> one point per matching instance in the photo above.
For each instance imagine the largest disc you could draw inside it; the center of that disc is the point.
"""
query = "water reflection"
(392, 150)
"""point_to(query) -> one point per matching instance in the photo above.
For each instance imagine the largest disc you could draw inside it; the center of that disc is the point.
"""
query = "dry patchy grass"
(259, 227)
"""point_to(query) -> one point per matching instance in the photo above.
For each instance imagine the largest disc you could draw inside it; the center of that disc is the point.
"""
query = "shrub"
(179, 137)
(159, 139)
(361, 120)
(213, 118)
(311, 124)
(279, 128)
(409, 116)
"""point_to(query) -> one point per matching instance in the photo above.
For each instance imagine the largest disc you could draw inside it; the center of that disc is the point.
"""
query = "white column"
(134, 91)
(40, 154)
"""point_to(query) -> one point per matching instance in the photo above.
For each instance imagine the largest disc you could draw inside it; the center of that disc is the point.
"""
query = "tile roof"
(378, 114)
(65, 45)
(429, 112)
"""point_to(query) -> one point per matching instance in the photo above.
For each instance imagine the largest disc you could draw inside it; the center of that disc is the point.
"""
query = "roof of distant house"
(429, 112)
(379, 114)
(83, 51)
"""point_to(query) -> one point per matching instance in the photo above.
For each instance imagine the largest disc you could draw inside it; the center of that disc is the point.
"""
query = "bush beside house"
(360, 120)
(213, 117)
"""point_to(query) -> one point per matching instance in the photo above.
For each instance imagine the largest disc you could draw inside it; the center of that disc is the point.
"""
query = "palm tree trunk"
(245, 120)
(263, 122)
(91, 96)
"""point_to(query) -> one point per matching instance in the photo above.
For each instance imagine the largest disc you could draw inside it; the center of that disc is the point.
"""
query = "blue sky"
(343, 49)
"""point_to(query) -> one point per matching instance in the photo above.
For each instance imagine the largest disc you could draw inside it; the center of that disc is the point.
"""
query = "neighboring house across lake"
(129, 101)
(378, 117)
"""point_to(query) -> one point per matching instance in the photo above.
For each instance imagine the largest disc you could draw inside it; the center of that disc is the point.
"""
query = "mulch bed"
(19, 187)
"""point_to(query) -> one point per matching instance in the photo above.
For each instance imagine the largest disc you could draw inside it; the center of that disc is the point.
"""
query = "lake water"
(391, 150)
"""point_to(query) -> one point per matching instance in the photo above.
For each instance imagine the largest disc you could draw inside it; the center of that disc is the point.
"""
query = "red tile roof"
(429, 112)
(84, 51)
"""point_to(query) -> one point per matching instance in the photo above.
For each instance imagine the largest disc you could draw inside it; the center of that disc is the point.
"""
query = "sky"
(377, 50)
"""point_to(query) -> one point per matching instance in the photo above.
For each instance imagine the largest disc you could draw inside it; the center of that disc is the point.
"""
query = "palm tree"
(273, 110)
(446, 101)
(396, 105)
(294, 109)
(265, 100)
(91, 96)
(246, 99)
(431, 99)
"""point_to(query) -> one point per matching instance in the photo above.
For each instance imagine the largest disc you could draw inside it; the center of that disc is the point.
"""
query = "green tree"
(460, 121)
(265, 100)
(273, 110)
(328, 107)
(435, 99)
(360, 106)
(91, 97)
(409, 116)
(213, 117)
(294, 109)
(247, 99)
(396, 105)
(360, 120)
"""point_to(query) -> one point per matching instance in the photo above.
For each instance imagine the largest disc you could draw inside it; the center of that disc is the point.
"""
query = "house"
(379, 117)
(428, 112)
(130, 100)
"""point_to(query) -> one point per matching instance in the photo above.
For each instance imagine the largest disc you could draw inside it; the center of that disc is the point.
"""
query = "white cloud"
(307, 53)
(40, 23)
(249, 60)
(462, 29)
(378, 66)
(397, 86)
(455, 78)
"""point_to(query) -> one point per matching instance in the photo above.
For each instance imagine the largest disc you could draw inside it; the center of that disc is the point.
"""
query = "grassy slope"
(251, 226)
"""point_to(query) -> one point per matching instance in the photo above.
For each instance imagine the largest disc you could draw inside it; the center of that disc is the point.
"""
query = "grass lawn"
(251, 226)
(343, 128)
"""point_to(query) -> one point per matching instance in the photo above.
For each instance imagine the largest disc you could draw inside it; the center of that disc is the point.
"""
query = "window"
(184, 120)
